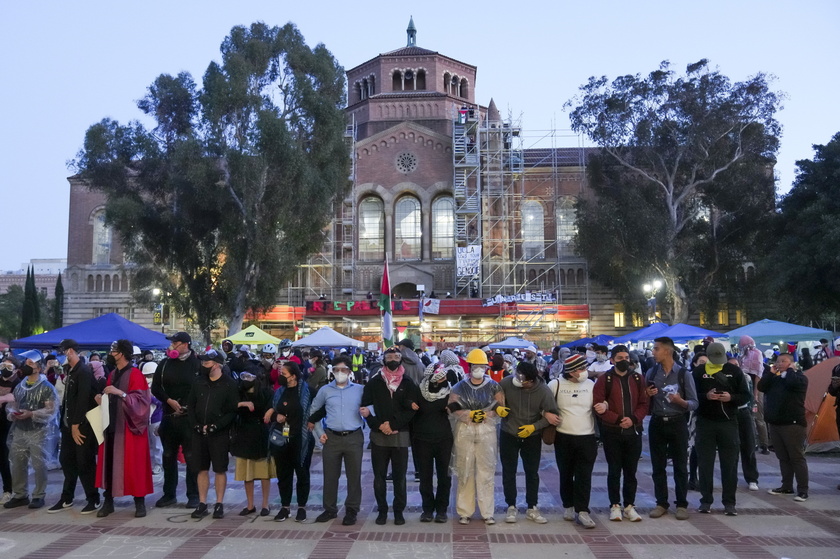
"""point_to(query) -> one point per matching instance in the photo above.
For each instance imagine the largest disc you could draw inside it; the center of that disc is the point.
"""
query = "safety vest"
(358, 361)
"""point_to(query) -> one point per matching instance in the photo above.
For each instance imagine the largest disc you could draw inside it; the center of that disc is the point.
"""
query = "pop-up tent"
(646, 333)
(601, 339)
(96, 333)
(820, 410)
(327, 337)
(684, 332)
(773, 331)
(512, 343)
(253, 335)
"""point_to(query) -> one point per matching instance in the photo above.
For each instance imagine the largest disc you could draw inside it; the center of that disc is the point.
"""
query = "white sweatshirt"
(575, 402)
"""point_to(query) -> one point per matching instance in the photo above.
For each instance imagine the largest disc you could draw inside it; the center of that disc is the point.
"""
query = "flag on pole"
(386, 307)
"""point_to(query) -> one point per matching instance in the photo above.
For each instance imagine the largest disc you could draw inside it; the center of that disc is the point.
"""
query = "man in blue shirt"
(673, 395)
(335, 417)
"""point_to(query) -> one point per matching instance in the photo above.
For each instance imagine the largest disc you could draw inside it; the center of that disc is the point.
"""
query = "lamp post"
(650, 290)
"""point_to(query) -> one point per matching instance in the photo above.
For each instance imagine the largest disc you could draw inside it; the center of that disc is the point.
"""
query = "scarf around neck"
(393, 378)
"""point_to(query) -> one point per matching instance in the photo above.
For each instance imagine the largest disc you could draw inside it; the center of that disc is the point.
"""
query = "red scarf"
(393, 378)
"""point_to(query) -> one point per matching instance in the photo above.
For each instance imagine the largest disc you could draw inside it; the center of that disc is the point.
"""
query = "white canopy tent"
(327, 337)
(511, 343)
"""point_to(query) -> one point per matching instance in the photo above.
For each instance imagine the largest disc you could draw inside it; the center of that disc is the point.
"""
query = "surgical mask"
(282, 381)
(590, 355)
(477, 372)
(268, 362)
(27, 370)
(600, 357)
(622, 366)
(342, 378)
(172, 353)
(111, 361)
(582, 375)
(393, 365)
(286, 353)
(517, 383)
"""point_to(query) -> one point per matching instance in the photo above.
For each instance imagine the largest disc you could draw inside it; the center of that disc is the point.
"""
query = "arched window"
(90, 283)
(101, 239)
(570, 276)
(566, 225)
(396, 81)
(552, 278)
(107, 283)
(443, 228)
(581, 280)
(562, 276)
(462, 89)
(98, 282)
(371, 229)
(407, 228)
(532, 276)
(421, 79)
(116, 285)
(533, 230)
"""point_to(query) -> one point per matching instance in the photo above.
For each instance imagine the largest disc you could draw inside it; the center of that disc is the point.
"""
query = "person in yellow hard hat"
(474, 402)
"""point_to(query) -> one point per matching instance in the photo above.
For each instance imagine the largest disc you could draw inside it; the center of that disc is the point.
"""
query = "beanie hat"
(574, 362)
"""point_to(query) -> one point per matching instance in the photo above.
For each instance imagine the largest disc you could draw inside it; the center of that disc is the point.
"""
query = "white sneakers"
(464, 520)
(510, 517)
(584, 520)
(534, 514)
(5, 498)
(489, 521)
(615, 513)
(631, 514)
(569, 514)
(753, 486)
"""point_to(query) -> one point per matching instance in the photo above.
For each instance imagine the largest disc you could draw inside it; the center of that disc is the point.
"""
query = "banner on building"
(468, 260)
(527, 297)
(430, 306)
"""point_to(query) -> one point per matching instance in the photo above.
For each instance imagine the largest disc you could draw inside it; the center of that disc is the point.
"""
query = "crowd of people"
(116, 423)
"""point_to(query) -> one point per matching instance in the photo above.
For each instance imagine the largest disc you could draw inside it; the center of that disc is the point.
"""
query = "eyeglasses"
(247, 376)
(342, 369)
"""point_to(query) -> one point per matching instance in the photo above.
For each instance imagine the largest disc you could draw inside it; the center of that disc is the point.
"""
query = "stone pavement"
(767, 526)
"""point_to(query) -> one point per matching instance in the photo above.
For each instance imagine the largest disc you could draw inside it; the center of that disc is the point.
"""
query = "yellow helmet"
(477, 357)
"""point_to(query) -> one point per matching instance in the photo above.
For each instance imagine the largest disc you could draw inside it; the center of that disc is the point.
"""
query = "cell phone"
(651, 384)
(18, 413)
(718, 391)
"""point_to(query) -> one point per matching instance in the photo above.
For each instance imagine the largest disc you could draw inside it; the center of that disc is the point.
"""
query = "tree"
(803, 258)
(684, 183)
(11, 312)
(58, 304)
(30, 322)
(232, 189)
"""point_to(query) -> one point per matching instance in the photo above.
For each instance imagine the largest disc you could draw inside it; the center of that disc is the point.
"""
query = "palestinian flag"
(386, 307)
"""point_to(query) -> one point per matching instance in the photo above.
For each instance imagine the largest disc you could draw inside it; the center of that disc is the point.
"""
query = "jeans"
(175, 432)
(668, 438)
(622, 449)
(719, 437)
(510, 448)
(433, 457)
(380, 456)
(575, 455)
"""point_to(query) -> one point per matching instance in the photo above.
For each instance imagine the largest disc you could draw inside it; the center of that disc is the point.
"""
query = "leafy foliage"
(11, 311)
(683, 184)
(232, 188)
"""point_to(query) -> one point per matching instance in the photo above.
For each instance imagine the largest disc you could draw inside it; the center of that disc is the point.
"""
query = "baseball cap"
(68, 343)
(182, 337)
(406, 342)
(716, 353)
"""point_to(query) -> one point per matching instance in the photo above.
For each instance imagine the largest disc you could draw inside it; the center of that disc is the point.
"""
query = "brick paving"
(767, 526)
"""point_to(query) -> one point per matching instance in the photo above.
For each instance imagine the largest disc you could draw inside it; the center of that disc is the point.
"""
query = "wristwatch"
(124, 395)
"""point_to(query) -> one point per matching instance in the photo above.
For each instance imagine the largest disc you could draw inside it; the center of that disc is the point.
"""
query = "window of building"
(101, 239)
(533, 230)
(618, 315)
(638, 320)
(443, 228)
(723, 316)
(371, 229)
(566, 225)
(740, 317)
(407, 229)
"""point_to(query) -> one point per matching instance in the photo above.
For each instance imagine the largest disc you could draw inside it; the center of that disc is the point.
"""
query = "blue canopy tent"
(512, 343)
(96, 333)
(773, 331)
(601, 339)
(647, 333)
(684, 332)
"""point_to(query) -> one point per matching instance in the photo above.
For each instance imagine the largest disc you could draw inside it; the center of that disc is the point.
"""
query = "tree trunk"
(237, 315)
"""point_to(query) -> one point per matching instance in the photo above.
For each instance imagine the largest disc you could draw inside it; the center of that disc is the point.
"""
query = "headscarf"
(434, 374)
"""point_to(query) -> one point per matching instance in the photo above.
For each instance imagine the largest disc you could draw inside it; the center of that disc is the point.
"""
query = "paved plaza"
(767, 526)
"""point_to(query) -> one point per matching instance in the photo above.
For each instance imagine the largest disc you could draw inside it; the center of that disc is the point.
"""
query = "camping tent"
(327, 337)
(253, 335)
(646, 333)
(683, 332)
(512, 343)
(819, 409)
(773, 331)
(96, 333)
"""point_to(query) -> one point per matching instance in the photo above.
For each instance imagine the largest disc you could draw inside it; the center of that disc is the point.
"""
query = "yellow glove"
(502, 411)
(477, 416)
(526, 431)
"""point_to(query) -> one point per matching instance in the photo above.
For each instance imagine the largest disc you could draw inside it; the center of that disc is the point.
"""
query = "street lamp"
(650, 290)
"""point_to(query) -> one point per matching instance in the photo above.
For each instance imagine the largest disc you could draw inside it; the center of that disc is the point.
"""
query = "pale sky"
(68, 64)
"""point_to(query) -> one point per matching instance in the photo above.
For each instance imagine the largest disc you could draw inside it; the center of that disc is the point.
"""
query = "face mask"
(590, 355)
(477, 372)
(622, 366)
(582, 375)
(393, 365)
(286, 353)
(268, 362)
(172, 353)
(600, 358)
(341, 378)
(517, 383)
(282, 381)
(26, 370)
(205, 369)
(111, 361)
(248, 384)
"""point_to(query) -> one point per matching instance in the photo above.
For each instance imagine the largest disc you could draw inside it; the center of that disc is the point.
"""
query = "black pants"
(510, 448)
(288, 464)
(668, 438)
(5, 468)
(380, 457)
(175, 432)
(622, 449)
(719, 437)
(78, 462)
(434, 456)
(789, 444)
(746, 435)
(575, 455)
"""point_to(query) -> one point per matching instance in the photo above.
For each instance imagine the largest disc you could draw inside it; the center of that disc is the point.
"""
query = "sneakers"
(441, 518)
(60, 506)
(200, 511)
(381, 518)
(464, 520)
(705, 508)
(534, 514)
(729, 510)
(631, 514)
(489, 521)
(765, 451)
(283, 515)
(753, 486)
(106, 509)
(218, 511)
(658, 511)
(426, 517)
(90, 507)
(323, 517)
(192, 503)
(801, 497)
(301, 514)
(38, 503)
(585, 520)
(166, 502)
(399, 519)
(265, 512)
(615, 513)
(780, 491)
(5, 498)
(510, 517)
(681, 513)
(569, 514)
(246, 511)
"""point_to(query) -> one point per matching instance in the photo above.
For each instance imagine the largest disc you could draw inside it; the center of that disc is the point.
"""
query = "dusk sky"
(67, 65)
